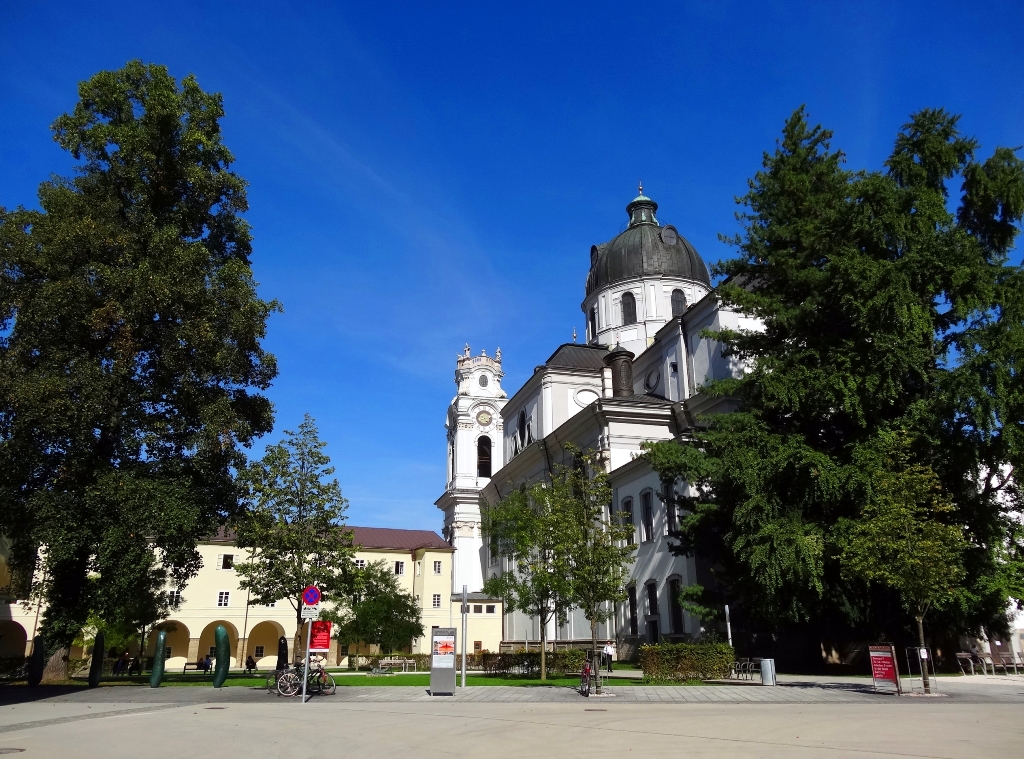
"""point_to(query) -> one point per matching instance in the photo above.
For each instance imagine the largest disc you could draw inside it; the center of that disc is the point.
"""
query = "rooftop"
(404, 540)
(577, 356)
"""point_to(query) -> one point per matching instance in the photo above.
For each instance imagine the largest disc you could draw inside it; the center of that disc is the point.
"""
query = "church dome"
(645, 248)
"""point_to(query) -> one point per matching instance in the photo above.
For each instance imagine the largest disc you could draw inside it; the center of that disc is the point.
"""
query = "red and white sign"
(320, 636)
(883, 667)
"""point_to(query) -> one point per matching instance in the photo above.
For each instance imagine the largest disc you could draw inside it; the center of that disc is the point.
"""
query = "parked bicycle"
(586, 677)
(318, 681)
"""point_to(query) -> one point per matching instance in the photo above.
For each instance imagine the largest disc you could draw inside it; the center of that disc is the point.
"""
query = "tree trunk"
(925, 680)
(543, 648)
(598, 663)
(297, 640)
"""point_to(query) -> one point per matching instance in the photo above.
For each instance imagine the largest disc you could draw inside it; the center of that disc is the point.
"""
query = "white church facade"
(637, 378)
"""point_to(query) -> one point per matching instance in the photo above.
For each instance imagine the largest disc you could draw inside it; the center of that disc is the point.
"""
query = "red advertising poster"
(320, 636)
(883, 666)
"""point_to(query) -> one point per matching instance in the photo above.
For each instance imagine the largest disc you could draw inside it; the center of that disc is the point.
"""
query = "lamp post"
(465, 608)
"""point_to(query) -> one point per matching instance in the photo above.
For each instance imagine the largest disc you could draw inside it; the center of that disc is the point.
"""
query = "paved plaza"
(803, 717)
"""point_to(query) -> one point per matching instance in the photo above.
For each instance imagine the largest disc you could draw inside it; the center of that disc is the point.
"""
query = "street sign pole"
(309, 609)
(465, 608)
(305, 670)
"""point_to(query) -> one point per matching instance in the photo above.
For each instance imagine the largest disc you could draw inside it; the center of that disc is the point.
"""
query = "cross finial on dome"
(640, 188)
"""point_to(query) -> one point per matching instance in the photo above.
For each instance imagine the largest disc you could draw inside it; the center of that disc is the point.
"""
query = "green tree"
(379, 612)
(885, 304)
(130, 354)
(532, 529)
(294, 526)
(599, 553)
(900, 540)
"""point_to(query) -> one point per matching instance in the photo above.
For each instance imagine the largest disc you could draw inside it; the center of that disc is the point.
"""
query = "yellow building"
(420, 559)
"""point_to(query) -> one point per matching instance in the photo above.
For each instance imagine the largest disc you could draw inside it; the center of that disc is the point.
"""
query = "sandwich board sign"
(884, 672)
(442, 661)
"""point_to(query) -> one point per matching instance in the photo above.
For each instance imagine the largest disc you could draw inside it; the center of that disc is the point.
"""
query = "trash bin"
(767, 671)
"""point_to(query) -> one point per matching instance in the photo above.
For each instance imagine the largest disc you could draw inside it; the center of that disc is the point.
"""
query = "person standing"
(608, 652)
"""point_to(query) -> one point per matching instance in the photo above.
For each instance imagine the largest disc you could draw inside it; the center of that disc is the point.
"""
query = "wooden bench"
(1005, 661)
(193, 665)
(403, 663)
(967, 659)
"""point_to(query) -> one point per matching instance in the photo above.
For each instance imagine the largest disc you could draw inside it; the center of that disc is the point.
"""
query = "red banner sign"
(320, 636)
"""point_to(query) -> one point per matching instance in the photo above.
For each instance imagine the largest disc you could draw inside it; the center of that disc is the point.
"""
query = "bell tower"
(475, 452)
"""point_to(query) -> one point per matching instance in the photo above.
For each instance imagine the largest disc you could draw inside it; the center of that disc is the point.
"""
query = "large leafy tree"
(532, 529)
(130, 355)
(888, 305)
(378, 612)
(294, 525)
(599, 547)
(901, 540)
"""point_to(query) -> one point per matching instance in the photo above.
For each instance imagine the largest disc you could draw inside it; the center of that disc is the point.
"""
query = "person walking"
(608, 652)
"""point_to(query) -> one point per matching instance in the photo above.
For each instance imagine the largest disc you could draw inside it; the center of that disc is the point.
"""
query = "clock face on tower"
(483, 418)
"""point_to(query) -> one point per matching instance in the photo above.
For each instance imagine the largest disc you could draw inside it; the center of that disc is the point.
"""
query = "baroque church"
(638, 377)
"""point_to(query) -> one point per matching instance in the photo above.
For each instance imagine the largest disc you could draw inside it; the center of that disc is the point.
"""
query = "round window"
(483, 380)
(652, 379)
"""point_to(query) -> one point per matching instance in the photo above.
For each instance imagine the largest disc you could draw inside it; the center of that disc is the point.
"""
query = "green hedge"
(563, 662)
(679, 662)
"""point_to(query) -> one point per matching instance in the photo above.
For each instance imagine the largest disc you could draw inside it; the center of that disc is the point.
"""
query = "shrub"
(678, 662)
(13, 667)
(566, 661)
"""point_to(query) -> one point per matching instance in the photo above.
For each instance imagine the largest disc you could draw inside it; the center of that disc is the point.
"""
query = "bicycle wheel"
(329, 686)
(313, 684)
(288, 684)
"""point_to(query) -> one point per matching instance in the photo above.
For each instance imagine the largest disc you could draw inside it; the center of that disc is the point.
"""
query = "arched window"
(628, 309)
(483, 457)
(593, 322)
(678, 303)
(523, 442)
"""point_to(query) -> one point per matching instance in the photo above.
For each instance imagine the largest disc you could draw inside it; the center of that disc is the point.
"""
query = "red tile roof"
(405, 540)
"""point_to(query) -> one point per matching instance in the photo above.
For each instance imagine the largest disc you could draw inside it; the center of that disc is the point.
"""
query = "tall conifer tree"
(130, 357)
(888, 307)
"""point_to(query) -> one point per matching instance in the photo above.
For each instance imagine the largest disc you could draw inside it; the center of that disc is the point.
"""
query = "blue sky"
(424, 175)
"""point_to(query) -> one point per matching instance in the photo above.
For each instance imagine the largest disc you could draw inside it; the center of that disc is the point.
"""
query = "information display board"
(884, 671)
(442, 661)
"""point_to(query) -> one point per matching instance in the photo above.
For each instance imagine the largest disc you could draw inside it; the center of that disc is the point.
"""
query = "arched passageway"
(177, 641)
(262, 643)
(207, 643)
(13, 639)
